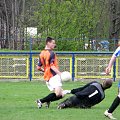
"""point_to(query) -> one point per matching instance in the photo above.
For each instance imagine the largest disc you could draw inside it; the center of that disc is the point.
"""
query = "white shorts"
(54, 82)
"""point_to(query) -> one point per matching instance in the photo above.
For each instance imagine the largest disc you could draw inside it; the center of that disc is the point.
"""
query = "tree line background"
(75, 24)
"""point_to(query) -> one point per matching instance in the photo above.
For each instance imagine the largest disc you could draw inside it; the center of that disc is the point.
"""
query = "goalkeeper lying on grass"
(86, 96)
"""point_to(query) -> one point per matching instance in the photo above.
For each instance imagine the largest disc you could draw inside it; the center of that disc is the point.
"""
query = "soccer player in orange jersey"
(48, 64)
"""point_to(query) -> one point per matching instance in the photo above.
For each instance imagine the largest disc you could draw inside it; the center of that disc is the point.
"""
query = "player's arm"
(112, 60)
(73, 91)
(52, 65)
(39, 66)
(55, 70)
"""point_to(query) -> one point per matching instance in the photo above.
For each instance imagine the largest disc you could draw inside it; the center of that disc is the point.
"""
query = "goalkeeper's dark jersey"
(86, 96)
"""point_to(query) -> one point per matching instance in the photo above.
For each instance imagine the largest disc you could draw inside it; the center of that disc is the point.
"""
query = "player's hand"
(107, 70)
(38, 67)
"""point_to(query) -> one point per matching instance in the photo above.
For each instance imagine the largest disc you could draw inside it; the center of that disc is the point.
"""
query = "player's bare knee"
(58, 94)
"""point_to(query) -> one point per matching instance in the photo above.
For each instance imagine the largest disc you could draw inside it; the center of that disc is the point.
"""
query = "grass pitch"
(17, 103)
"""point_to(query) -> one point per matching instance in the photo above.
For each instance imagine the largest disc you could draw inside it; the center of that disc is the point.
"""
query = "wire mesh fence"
(80, 65)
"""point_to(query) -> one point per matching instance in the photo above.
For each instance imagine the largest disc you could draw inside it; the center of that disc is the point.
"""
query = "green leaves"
(70, 19)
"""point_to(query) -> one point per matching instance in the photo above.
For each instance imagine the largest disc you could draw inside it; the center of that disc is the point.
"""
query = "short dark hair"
(107, 83)
(49, 39)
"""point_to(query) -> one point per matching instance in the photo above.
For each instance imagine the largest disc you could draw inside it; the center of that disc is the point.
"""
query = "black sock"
(114, 104)
(56, 98)
(51, 97)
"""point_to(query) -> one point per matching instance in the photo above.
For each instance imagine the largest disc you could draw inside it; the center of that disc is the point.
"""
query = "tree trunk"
(7, 26)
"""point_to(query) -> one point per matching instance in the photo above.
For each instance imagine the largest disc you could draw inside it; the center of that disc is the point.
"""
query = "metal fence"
(82, 65)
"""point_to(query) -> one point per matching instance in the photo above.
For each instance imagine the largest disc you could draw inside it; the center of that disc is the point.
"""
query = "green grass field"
(17, 103)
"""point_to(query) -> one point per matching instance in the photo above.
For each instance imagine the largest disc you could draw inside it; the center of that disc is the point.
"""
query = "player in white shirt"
(116, 102)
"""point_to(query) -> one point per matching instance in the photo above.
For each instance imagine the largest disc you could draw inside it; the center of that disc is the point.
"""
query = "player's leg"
(65, 104)
(49, 98)
(70, 102)
(114, 105)
(54, 84)
(58, 91)
(116, 102)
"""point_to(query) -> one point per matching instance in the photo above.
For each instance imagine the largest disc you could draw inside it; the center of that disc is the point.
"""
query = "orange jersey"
(47, 58)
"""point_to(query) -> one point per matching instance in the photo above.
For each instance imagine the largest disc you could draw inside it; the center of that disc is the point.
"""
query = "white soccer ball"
(65, 76)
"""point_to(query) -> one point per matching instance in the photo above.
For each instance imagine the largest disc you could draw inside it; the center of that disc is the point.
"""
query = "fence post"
(73, 66)
(30, 59)
(114, 71)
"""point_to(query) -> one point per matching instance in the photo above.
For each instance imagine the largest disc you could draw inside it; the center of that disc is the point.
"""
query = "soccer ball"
(65, 76)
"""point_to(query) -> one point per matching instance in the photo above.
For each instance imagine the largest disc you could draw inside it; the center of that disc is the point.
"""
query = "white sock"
(119, 95)
(66, 92)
